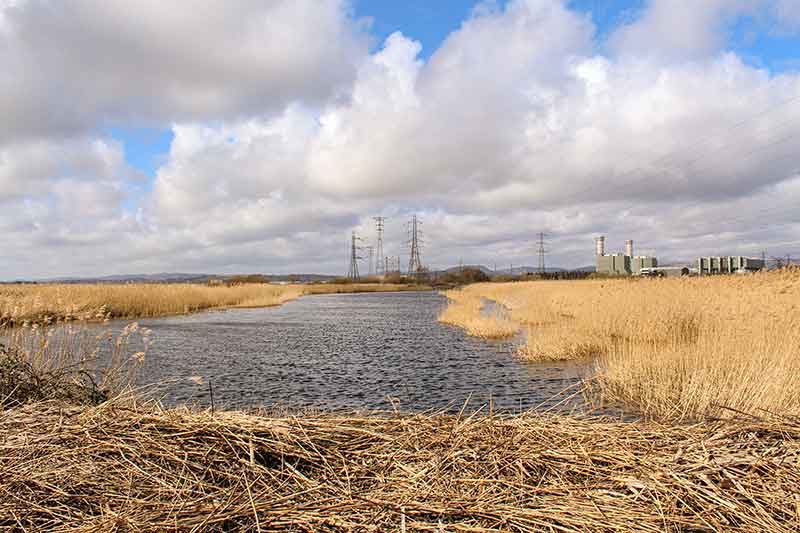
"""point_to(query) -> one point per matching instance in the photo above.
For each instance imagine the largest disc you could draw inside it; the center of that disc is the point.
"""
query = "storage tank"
(600, 245)
(629, 248)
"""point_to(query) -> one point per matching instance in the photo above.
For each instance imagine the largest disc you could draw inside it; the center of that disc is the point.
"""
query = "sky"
(248, 136)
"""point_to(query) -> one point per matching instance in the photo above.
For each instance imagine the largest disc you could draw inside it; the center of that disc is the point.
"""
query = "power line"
(702, 140)
(560, 145)
(614, 189)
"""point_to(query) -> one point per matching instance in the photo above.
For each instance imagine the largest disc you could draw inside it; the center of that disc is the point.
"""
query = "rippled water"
(362, 351)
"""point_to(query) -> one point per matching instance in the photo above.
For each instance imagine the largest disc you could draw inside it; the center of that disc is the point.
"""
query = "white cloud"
(69, 66)
(30, 168)
(677, 30)
(514, 125)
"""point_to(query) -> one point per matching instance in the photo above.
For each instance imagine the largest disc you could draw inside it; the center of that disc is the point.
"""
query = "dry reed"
(677, 348)
(468, 311)
(44, 303)
(70, 363)
(134, 467)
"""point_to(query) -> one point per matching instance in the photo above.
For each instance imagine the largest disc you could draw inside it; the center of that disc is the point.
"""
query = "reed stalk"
(136, 467)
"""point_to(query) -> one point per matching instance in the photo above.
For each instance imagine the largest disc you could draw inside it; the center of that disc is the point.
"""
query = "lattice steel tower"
(353, 273)
(415, 242)
(381, 267)
(542, 252)
(371, 255)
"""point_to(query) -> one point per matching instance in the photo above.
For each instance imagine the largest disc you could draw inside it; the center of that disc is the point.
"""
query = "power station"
(728, 264)
(627, 264)
(622, 264)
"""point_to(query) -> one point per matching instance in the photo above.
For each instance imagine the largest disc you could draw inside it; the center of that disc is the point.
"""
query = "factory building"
(728, 264)
(625, 264)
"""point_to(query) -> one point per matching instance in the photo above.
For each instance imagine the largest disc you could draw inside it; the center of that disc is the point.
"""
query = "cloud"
(516, 124)
(406, 129)
(31, 168)
(677, 30)
(71, 66)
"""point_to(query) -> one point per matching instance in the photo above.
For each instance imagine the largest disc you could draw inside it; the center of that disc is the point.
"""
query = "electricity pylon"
(381, 267)
(353, 272)
(415, 242)
(371, 255)
(542, 252)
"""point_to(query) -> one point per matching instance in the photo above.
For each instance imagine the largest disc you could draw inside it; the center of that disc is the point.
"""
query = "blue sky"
(430, 22)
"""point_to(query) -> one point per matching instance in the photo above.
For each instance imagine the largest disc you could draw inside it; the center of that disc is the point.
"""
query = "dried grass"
(68, 363)
(124, 465)
(128, 467)
(675, 348)
(557, 342)
(45, 303)
(468, 311)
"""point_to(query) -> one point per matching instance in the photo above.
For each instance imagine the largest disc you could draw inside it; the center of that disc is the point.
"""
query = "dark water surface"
(354, 351)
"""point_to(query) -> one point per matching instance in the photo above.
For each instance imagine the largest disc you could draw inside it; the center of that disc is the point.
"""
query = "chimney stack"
(629, 248)
(600, 245)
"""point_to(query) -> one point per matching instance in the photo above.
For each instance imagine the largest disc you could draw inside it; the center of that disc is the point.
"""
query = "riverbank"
(135, 467)
(680, 349)
(46, 303)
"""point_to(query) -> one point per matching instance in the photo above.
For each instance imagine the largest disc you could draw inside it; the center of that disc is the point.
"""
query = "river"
(343, 351)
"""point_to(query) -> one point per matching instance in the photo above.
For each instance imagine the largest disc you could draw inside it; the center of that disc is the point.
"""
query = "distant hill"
(184, 277)
(501, 271)
(163, 277)
(181, 277)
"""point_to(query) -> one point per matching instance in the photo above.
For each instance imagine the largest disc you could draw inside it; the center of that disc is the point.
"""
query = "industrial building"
(625, 264)
(728, 264)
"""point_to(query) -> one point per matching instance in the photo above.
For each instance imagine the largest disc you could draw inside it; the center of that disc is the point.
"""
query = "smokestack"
(600, 245)
(629, 248)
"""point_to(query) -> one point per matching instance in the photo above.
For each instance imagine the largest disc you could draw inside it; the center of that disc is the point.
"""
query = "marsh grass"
(80, 461)
(677, 348)
(69, 363)
(47, 303)
(467, 311)
(143, 468)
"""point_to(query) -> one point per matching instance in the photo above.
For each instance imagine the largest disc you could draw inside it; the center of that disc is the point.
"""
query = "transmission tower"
(542, 253)
(379, 221)
(371, 255)
(353, 273)
(414, 242)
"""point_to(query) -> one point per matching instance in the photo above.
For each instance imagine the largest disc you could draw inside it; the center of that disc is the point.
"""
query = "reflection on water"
(357, 351)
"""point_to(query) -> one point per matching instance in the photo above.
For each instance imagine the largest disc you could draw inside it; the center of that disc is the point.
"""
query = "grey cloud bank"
(288, 134)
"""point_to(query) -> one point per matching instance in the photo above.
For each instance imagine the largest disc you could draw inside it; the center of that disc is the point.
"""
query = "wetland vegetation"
(28, 303)
(680, 348)
(706, 367)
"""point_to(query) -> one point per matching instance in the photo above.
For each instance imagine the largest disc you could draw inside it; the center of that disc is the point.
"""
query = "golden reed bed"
(124, 466)
(677, 348)
(32, 303)
(73, 460)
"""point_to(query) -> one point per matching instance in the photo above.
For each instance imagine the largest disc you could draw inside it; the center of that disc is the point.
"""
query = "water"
(347, 351)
